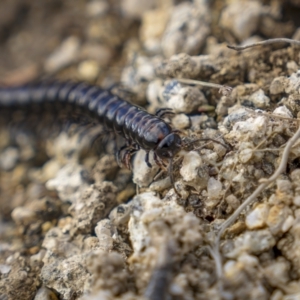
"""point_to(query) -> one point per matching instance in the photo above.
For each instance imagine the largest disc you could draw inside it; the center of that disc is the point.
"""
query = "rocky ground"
(74, 225)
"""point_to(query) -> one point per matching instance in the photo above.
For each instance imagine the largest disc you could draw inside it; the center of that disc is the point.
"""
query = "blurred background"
(145, 46)
(94, 40)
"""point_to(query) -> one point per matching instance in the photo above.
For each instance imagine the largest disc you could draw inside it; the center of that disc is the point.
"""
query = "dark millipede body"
(139, 128)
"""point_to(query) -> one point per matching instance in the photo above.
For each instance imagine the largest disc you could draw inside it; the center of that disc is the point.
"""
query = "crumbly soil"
(74, 225)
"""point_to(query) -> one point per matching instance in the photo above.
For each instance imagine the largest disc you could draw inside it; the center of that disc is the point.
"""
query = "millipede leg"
(147, 160)
(159, 161)
(124, 155)
(127, 157)
(170, 172)
(162, 112)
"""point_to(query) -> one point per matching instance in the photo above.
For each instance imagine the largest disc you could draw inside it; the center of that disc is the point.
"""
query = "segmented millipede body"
(139, 128)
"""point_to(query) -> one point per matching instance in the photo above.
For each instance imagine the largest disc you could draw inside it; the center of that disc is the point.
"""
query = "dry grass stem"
(266, 42)
(223, 89)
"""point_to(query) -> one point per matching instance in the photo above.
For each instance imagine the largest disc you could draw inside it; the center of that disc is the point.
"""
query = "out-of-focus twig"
(223, 89)
(264, 183)
(266, 42)
(215, 249)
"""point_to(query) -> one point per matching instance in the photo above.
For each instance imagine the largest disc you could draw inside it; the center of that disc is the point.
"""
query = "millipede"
(140, 129)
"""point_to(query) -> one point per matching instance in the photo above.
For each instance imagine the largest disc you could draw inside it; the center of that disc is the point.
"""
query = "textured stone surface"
(74, 225)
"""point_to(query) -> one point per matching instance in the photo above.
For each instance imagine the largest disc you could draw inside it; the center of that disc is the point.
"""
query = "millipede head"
(169, 146)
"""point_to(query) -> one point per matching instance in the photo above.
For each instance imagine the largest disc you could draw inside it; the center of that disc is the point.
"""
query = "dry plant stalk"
(223, 89)
(266, 42)
(215, 252)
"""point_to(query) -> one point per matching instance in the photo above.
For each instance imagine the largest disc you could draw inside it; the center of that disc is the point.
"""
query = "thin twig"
(263, 185)
(266, 42)
(269, 114)
(223, 89)
(215, 250)
(266, 149)
(207, 140)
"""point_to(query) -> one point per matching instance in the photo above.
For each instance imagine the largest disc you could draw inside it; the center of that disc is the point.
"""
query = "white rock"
(186, 100)
(293, 83)
(253, 126)
(66, 148)
(68, 182)
(277, 295)
(136, 8)
(142, 174)
(137, 229)
(239, 177)
(257, 217)
(283, 111)
(153, 93)
(96, 8)
(235, 114)
(181, 121)
(214, 188)
(291, 297)
(160, 185)
(254, 242)
(278, 214)
(104, 232)
(292, 66)
(120, 214)
(232, 270)
(288, 223)
(277, 85)
(153, 25)
(190, 164)
(259, 99)
(9, 158)
(259, 241)
(242, 24)
(4, 269)
(233, 201)
(23, 215)
(297, 213)
(88, 70)
(195, 19)
(296, 201)
(50, 169)
(64, 55)
(245, 155)
(248, 260)
(136, 75)
(277, 272)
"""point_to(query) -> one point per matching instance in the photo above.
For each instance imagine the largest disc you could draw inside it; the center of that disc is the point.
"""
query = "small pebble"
(296, 201)
(64, 55)
(259, 99)
(283, 111)
(186, 99)
(242, 25)
(181, 121)
(9, 158)
(88, 70)
(288, 223)
(4, 269)
(214, 188)
(191, 162)
(257, 217)
(245, 155)
(143, 175)
(195, 19)
(277, 85)
(23, 215)
(276, 218)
